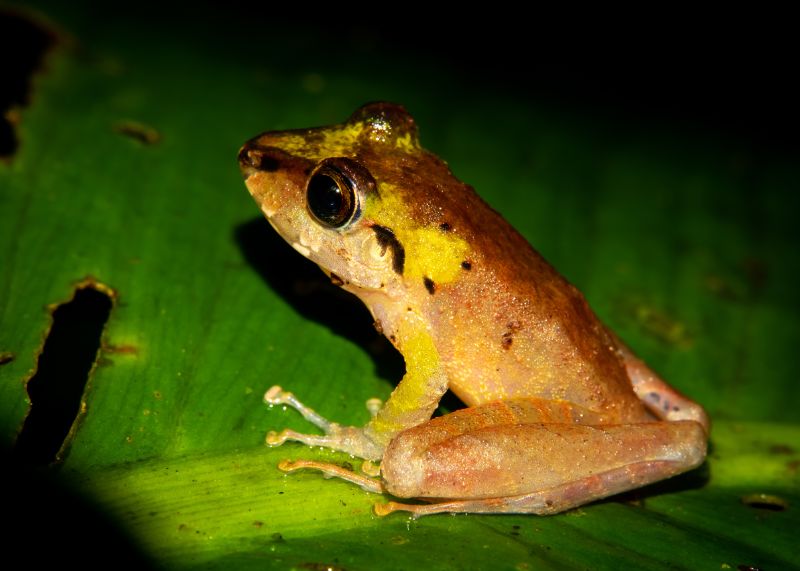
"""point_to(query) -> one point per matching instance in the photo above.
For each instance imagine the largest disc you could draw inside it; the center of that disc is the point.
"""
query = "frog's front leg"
(348, 439)
(412, 402)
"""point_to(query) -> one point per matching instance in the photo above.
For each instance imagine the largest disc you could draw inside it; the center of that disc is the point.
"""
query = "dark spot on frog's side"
(387, 239)
(430, 285)
(508, 337)
(445, 227)
(465, 265)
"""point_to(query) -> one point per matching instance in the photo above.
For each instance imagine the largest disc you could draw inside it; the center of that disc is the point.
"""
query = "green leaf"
(126, 179)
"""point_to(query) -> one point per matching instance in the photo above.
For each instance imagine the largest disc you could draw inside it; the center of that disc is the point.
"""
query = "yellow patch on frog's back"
(430, 251)
(341, 141)
(407, 143)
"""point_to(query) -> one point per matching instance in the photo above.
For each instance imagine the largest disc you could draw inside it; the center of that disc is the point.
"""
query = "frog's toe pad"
(374, 406)
(288, 466)
(275, 395)
(277, 438)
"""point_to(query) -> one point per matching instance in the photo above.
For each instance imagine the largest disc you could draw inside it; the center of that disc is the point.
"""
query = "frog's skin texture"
(560, 412)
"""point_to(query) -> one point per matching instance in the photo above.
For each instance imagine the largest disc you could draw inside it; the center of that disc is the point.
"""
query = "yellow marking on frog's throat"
(430, 252)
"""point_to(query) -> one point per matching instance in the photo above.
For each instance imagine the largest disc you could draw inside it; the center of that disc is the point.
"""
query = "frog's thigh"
(535, 468)
(658, 396)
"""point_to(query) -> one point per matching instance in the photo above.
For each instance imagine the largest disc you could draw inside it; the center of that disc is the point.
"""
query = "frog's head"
(357, 198)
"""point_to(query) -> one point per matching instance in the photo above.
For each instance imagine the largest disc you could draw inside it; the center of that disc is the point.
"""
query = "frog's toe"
(277, 438)
(275, 395)
(332, 471)
(374, 406)
(371, 468)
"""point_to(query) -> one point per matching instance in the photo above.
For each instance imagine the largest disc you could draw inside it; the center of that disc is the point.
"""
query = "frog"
(559, 412)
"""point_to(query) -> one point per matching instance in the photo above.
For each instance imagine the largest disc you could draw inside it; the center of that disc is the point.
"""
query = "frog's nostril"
(267, 163)
(253, 159)
(246, 159)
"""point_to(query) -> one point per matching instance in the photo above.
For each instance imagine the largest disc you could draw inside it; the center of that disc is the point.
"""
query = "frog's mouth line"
(268, 213)
(304, 250)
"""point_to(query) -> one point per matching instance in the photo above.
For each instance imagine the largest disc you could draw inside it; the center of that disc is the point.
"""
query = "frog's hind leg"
(544, 502)
(334, 471)
(518, 456)
(660, 398)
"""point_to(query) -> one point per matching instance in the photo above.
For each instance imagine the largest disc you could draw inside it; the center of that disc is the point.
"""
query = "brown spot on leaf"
(140, 132)
(121, 349)
(781, 449)
(765, 502)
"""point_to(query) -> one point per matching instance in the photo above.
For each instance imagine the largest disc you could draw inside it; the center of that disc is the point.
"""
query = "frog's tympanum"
(559, 411)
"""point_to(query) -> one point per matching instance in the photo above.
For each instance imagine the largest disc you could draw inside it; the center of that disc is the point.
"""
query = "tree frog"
(559, 411)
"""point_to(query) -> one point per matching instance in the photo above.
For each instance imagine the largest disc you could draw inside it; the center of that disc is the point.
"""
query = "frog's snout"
(259, 157)
(250, 160)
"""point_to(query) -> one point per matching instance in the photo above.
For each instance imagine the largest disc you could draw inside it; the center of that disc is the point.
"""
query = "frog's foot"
(276, 395)
(337, 437)
(660, 398)
(333, 471)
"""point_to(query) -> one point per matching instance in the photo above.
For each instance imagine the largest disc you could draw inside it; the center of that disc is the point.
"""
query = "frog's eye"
(331, 199)
(334, 191)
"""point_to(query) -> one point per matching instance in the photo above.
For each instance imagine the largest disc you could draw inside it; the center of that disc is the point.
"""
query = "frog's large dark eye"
(330, 199)
(334, 191)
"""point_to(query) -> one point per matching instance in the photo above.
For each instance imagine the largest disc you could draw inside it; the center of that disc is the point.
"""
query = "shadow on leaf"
(301, 284)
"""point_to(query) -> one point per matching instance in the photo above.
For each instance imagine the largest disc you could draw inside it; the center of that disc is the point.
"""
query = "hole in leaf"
(765, 502)
(56, 388)
(23, 43)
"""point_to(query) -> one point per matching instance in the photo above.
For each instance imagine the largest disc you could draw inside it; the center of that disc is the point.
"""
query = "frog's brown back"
(541, 337)
(512, 320)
